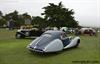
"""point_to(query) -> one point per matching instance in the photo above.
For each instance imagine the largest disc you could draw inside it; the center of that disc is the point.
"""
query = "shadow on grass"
(51, 54)
(71, 49)
(43, 55)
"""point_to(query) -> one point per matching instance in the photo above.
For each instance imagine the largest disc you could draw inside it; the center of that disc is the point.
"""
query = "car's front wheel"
(19, 36)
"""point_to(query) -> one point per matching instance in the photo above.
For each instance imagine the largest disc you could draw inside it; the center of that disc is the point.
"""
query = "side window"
(63, 35)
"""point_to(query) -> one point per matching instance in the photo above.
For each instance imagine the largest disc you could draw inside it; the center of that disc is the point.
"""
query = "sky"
(87, 12)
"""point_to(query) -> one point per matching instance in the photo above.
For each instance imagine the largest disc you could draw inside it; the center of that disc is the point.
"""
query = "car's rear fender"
(55, 45)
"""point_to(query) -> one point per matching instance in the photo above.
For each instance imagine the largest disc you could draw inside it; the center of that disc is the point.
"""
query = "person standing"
(10, 24)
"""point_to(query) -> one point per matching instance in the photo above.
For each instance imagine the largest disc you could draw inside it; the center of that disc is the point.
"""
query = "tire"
(78, 42)
(19, 36)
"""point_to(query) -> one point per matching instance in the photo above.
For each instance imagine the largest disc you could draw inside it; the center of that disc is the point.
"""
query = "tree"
(39, 21)
(21, 19)
(18, 19)
(12, 15)
(59, 16)
(26, 16)
(1, 13)
(2, 20)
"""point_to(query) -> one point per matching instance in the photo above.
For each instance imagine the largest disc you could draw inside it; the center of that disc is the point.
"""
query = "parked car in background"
(89, 31)
(28, 32)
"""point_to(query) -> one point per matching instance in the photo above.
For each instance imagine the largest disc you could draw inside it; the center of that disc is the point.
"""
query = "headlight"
(18, 30)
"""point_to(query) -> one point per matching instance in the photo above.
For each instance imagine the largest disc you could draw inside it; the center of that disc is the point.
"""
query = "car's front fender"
(73, 42)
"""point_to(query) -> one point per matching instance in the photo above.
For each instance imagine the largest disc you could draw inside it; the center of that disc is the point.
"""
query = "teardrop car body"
(53, 41)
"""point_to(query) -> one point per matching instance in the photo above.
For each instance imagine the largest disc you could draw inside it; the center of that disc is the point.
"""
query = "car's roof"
(45, 39)
(54, 31)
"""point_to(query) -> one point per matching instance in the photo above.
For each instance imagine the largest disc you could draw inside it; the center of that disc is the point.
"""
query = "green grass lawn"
(14, 51)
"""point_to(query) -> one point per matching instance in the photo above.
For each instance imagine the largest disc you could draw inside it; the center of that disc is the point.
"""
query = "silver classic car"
(53, 41)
